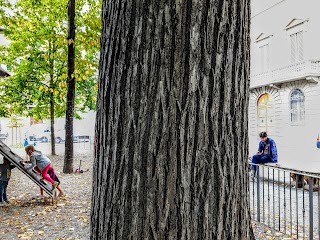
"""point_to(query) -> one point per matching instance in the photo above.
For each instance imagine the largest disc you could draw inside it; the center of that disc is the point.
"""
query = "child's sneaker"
(2, 204)
(40, 197)
(54, 185)
(7, 201)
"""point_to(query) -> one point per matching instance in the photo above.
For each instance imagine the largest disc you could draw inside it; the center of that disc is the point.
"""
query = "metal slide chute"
(32, 174)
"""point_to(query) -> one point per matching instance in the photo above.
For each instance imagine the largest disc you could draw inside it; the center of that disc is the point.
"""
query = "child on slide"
(40, 163)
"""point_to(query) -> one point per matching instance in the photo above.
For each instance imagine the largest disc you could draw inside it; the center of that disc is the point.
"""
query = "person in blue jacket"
(25, 143)
(267, 152)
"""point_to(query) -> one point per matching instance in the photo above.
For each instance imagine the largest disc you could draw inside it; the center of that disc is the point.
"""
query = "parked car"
(40, 139)
(3, 136)
(32, 138)
(59, 140)
(82, 138)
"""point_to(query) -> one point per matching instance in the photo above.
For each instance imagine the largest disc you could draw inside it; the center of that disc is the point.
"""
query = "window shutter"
(300, 45)
(293, 47)
(264, 58)
(261, 59)
(267, 57)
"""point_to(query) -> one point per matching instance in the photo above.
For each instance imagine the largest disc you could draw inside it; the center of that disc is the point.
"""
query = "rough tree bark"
(68, 156)
(171, 126)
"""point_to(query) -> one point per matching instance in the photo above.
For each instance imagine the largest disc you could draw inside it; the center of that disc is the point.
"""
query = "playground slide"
(32, 174)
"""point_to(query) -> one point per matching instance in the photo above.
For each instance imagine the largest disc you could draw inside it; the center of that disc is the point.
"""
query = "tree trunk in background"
(53, 146)
(68, 157)
(52, 135)
(171, 126)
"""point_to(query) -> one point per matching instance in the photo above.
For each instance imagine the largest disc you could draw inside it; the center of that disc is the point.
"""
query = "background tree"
(91, 20)
(71, 83)
(15, 123)
(171, 126)
(37, 57)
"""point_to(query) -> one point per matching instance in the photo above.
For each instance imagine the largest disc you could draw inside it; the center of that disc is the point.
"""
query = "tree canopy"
(37, 56)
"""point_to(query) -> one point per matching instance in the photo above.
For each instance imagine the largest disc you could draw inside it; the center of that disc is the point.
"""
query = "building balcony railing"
(309, 70)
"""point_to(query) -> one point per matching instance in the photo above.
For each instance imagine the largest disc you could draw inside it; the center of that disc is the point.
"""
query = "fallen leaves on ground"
(263, 232)
(29, 217)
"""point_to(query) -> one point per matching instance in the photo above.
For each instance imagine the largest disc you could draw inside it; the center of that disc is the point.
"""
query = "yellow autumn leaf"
(64, 76)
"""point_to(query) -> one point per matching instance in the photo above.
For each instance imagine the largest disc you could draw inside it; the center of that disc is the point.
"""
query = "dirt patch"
(29, 217)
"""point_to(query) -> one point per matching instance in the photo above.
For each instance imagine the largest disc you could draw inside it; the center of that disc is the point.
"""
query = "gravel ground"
(28, 217)
(262, 232)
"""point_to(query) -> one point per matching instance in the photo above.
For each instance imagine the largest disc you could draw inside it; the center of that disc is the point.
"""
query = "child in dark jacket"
(5, 174)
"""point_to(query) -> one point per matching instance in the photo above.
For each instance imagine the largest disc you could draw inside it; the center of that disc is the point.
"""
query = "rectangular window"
(296, 40)
(264, 58)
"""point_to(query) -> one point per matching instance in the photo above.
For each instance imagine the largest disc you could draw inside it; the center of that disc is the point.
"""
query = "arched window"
(297, 106)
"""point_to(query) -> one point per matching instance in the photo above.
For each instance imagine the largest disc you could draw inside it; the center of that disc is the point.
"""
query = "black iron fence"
(286, 200)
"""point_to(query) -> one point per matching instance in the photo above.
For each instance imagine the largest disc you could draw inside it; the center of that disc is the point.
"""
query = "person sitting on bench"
(267, 152)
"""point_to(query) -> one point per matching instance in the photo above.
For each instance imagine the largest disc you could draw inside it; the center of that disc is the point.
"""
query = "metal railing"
(286, 200)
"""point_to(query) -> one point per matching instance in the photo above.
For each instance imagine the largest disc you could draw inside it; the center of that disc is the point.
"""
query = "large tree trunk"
(171, 126)
(68, 156)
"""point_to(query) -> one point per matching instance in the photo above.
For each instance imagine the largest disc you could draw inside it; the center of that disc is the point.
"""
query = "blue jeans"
(260, 159)
(3, 191)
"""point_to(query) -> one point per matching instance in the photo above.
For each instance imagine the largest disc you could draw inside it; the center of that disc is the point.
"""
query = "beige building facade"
(285, 80)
